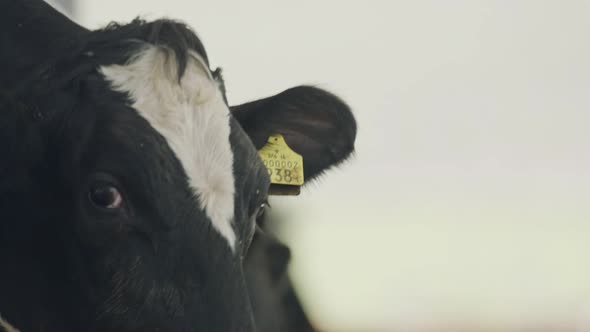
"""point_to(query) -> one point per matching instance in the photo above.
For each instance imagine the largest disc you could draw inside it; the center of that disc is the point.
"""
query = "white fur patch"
(193, 118)
(6, 327)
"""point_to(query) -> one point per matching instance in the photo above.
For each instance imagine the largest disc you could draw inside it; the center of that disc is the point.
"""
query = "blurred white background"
(468, 202)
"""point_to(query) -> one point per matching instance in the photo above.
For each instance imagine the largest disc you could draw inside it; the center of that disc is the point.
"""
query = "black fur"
(32, 33)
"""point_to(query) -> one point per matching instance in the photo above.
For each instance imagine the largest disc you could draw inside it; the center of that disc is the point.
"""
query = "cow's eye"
(257, 210)
(105, 196)
(261, 210)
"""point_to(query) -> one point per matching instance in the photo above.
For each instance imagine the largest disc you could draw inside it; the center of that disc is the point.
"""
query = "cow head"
(130, 189)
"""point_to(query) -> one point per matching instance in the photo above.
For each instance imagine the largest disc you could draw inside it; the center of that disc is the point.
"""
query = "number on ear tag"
(285, 166)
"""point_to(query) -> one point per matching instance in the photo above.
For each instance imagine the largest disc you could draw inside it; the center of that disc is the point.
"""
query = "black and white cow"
(128, 187)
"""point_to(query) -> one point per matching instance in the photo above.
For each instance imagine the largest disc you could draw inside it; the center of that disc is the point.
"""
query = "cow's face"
(152, 186)
(167, 187)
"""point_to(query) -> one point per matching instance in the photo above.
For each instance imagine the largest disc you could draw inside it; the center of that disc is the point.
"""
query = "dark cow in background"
(129, 188)
(274, 301)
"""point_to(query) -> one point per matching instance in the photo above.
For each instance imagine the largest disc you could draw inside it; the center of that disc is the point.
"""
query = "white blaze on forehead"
(194, 119)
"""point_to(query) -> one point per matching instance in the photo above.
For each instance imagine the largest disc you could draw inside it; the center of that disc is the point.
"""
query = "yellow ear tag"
(285, 166)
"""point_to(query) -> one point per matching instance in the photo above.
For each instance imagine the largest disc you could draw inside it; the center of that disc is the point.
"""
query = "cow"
(129, 188)
(275, 304)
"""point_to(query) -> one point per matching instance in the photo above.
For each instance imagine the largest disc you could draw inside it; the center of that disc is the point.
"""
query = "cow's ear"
(316, 124)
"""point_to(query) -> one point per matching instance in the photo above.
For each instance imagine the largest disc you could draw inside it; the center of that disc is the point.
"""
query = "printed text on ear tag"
(284, 165)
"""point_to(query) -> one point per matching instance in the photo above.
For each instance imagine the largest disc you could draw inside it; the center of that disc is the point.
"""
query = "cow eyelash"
(262, 208)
